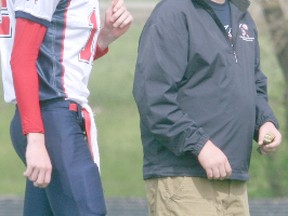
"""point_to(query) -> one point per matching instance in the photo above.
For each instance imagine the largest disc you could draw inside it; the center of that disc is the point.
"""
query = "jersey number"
(5, 23)
(87, 51)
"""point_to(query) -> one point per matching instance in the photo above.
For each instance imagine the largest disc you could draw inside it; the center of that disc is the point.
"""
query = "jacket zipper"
(235, 55)
(211, 12)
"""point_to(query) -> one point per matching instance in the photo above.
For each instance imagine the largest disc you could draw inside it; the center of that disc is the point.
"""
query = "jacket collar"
(241, 4)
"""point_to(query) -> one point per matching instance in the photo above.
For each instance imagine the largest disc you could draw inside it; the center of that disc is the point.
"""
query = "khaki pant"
(193, 196)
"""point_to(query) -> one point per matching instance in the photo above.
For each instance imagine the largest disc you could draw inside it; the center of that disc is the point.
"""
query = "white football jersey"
(66, 54)
(7, 25)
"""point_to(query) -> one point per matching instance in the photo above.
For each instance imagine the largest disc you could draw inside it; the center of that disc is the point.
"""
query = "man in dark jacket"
(202, 99)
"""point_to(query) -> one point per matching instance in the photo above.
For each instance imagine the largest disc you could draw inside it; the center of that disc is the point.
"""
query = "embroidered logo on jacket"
(244, 33)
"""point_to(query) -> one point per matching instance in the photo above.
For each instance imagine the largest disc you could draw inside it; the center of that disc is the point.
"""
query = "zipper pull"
(234, 53)
(235, 56)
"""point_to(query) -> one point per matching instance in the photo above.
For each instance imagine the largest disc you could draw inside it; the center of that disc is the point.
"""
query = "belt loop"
(76, 108)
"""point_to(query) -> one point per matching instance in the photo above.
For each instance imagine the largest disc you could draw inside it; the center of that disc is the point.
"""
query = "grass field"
(119, 138)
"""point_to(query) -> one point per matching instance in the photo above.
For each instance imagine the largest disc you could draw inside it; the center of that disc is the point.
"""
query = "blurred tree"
(277, 20)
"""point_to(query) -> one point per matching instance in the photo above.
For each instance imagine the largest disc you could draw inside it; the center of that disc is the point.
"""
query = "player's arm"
(28, 38)
(117, 21)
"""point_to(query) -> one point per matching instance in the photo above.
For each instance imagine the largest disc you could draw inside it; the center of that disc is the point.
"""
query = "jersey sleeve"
(28, 38)
(40, 11)
(100, 52)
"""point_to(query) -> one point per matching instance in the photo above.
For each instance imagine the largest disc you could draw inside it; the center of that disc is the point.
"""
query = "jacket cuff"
(263, 119)
(198, 147)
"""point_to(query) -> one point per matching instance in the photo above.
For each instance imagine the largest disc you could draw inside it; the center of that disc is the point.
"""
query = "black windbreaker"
(193, 84)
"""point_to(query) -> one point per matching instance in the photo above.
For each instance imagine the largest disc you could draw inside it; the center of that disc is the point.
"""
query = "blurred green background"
(118, 125)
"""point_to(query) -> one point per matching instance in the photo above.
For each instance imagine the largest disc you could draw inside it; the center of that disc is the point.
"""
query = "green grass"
(117, 118)
(118, 127)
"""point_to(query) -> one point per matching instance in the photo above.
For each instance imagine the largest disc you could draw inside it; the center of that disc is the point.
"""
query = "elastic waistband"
(60, 103)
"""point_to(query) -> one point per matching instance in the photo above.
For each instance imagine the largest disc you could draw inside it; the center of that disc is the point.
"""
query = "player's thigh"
(76, 187)
(35, 202)
(185, 196)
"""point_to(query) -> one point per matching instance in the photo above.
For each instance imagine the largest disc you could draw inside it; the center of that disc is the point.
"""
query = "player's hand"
(117, 21)
(214, 162)
(269, 128)
(39, 167)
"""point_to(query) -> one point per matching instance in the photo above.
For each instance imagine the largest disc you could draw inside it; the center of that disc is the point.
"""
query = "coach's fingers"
(222, 172)
(228, 169)
(216, 173)
(209, 173)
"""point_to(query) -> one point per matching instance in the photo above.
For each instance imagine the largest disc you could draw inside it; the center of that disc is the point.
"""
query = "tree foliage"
(276, 19)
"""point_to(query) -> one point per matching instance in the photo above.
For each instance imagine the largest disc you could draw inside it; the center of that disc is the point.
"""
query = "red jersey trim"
(100, 52)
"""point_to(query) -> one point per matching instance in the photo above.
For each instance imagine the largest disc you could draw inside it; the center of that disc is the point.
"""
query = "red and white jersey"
(67, 52)
(7, 27)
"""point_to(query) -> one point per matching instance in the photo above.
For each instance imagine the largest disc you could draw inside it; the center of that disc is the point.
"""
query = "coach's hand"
(214, 162)
(269, 128)
(117, 21)
(39, 167)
